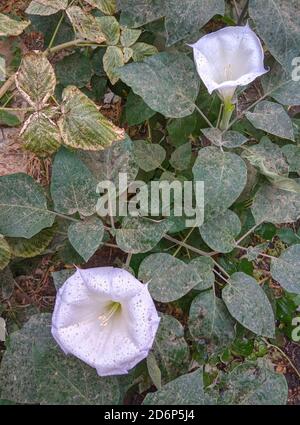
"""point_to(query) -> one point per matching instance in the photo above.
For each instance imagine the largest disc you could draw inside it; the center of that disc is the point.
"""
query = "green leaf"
(180, 130)
(36, 79)
(46, 7)
(281, 86)
(10, 27)
(28, 248)
(181, 16)
(170, 349)
(41, 135)
(86, 236)
(252, 384)
(129, 36)
(112, 60)
(210, 320)
(203, 266)
(8, 119)
(168, 83)
(292, 154)
(249, 305)
(141, 51)
(219, 232)
(5, 253)
(230, 139)
(108, 7)
(154, 370)
(7, 283)
(272, 118)
(149, 156)
(286, 269)
(73, 187)
(110, 28)
(115, 160)
(136, 110)
(224, 175)
(35, 371)
(181, 158)
(284, 16)
(20, 194)
(75, 69)
(186, 390)
(61, 276)
(275, 205)
(169, 278)
(82, 126)
(139, 234)
(86, 25)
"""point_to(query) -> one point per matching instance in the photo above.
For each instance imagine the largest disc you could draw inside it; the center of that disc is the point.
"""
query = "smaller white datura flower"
(105, 317)
(228, 58)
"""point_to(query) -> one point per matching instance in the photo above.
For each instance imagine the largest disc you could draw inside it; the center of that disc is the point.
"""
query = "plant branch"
(269, 345)
(248, 233)
(243, 14)
(203, 116)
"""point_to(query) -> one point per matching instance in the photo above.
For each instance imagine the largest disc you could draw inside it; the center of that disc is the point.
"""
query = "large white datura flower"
(228, 58)
(105, 317)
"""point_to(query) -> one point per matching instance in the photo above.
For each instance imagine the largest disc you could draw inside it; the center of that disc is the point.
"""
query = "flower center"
(112, 309)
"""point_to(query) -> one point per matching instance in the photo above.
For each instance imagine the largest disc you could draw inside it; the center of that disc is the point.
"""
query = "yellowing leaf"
(85, 24)
(108, 7)
(46, 7)
(112, 60)
(142, 51)
(36, 79)
(10, 27)
(4, 253)
(83, 126)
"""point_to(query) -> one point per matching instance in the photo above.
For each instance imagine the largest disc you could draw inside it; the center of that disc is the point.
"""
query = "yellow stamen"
(105, 318)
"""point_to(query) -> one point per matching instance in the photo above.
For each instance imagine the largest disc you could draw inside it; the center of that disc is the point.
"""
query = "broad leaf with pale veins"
(46, 7)
(148, 156)
(286, 269)
(86, 236)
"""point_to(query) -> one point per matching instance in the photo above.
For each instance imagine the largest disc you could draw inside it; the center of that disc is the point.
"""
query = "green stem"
(227, 114)
(56, 31)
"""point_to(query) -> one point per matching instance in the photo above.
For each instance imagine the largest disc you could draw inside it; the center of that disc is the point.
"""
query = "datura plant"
(149, 202)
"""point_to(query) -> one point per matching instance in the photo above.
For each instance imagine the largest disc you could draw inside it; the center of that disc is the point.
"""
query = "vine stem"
(269, 345)
(185, 239)
(260, 254)
(56, 31)
(203, 116)
(248, 233)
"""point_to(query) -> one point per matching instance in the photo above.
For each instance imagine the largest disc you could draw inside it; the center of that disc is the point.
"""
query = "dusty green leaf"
(219, 232)
(209, 320)
(129, 36)
(8, 119)
(224, 175)
(230, 139)
(136, 110)
(23, 207)
(167, 82)
(292, 154)
(139, 234)
(36, 79)
(46, 7)
(203, 266)
(280, 31)
(110, 28)
(10, 27)
(7, 283)
(249, 305)
(61, 276)
(73, 186)
(109, 7)
(109, 163)
(142, 50)
(253, 384)
(281, 86)
(275, 205)
(181, 17)
(41, 135)
(112, 60)
(86, 25)
(272, 118)
(28, 248)
(170, 349)
(86, 236)
(83, 126)
(183, 391)
(5, 253)
(2, 330)
(127, 53)
(181, 157)
(169, 278)
(154, 370)
(180, 130)
(35, 371)
(286, 269)
(149, 156)
(75, 69)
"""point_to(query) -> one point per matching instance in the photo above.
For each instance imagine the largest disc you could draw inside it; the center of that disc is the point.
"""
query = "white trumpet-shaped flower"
(228, 58)
(105, 317)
